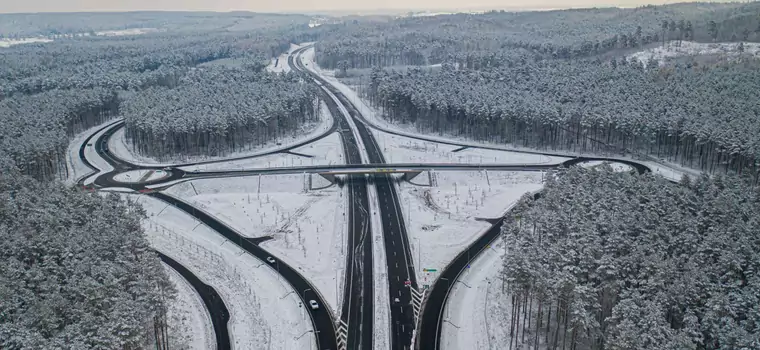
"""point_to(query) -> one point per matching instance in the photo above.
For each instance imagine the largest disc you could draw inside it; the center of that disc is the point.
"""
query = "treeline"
(606, 260)
(217, 110)
(704, 117)
(36, 129)
(485, 40)
(76, 271)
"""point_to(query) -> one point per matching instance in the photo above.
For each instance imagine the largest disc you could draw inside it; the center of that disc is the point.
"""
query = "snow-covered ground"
(478, 309)
(94, 159)
(400, 149)
(76, 167)
(140, 176)
(308, 227)
(326, 151)
(689, 48)
(11, 42)
(441, 220)
(122, 32)
(189, 320)
(119, 146)
(382, 302)
(618, 167)
(251, 289)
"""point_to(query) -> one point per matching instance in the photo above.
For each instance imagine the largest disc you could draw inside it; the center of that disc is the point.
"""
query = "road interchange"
(363, 156)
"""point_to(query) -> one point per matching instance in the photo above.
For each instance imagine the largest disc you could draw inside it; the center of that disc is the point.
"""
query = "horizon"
(391, 7)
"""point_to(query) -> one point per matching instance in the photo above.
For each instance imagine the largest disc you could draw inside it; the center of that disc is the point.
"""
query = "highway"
(358, 306)
(401, 275)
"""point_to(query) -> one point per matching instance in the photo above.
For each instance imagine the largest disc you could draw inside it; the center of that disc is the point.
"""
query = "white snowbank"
(689, 48)
(308, 227)
(441, 220)
(77, 168)
(477, 307)
(132, 31)
(189, 319)
(119, 146)
(140, 176)
(252, 291)
(617, 167)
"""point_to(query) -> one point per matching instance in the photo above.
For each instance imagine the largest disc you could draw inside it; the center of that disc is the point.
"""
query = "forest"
(51, 91)
(634, 262)
(477, 41)
(217, 110)
(76, 271)
(705, 117)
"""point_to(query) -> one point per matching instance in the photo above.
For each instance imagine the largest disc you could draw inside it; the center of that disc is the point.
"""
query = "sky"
(10, 6)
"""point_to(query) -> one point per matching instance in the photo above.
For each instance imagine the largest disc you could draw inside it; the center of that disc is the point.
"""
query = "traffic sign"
(407, 282)
(429, 270)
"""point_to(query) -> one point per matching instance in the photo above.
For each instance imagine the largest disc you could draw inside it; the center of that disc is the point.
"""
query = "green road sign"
(430, 270)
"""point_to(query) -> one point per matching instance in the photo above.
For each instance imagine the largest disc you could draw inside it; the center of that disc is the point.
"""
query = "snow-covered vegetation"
(216, 110)
(76, 271)
(611, 260)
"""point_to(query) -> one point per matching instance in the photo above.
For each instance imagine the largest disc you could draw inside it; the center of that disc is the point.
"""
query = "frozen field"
(308, 228)
(441, 220)
(661, 54)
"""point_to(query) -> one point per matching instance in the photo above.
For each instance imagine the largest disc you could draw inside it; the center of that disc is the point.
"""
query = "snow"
(250, 288)
(141, 176)
(94, 159)
(481, 311)
(689, 48)
(326, 151)
(308, 227)
(189, 319)
(441, 220)
(132, 31)
(119, 146)
(382, 303)
(617, 167)
(400, 149)
(11, 42)
(76, 167)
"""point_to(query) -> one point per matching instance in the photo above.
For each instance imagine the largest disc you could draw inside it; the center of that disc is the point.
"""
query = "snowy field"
(688, 48)
(119, 146)
(77, 168)
(477, 306)
(140, 176)
(400, 149)
(326, 151)
(441, 220)
(123, 32)
(134, 31)
(308, 228)
(189, 321)
(250, 288)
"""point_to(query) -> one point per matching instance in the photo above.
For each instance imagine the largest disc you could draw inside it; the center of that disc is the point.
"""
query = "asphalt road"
(358, 307)
(214, 303)
(398, 254)
(321, 318)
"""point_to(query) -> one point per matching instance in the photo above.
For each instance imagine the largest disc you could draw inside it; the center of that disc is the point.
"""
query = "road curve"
(321, 318)
(220, 315)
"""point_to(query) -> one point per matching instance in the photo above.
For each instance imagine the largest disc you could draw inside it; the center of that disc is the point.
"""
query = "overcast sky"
(295, 5)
